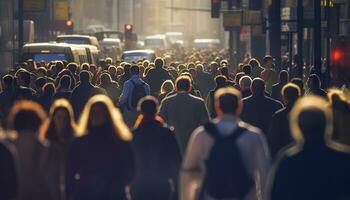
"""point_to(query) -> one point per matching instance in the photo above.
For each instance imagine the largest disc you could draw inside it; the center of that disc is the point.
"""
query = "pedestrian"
(183, 111)
(312, 168)
(220, 82)
(23, 91)
(259, 108)
(59, 130)
(244, 84)
(157, 155)
(205, 80)
(276, 89)
(165, 89)
(111, 87)
(228, 158)
(314, 86)
(46, 98)
(100, 163)
(25, 119)
(6, 98)
(279, 135)
(8, 171)
(156, 76)
(269, 75)
(256, 68)
(63, 89)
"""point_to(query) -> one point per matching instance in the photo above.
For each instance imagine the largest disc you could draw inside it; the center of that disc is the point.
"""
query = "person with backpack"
(226, 157)
(133, 90)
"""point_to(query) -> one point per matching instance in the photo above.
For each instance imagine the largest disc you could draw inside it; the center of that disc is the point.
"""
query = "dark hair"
(134, 70)
(84, 76)
(49, 89)
(26, 115)
(159, 62)
(105, 78)
(59, 66)
(314, 81)
(65, 82)
(7, 80)
(238, 76)
(25, 77)
(247, 69)
(258, 86)
(227, 99)
(40, 82)
(284, 76)
(148, 106)
(85, 66)
(290, 92)
(220, 80)
(254, 63)
(183, 83)
(72, 67)
(298, 82)
(312, 123)
(268, 58)
(224, 70)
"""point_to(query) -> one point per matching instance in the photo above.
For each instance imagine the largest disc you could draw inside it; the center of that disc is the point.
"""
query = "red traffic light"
(69, 23)
(128, 27)
(336, 55)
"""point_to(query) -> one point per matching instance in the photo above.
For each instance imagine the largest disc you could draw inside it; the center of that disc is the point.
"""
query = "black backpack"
(138, 92)
(226, 175)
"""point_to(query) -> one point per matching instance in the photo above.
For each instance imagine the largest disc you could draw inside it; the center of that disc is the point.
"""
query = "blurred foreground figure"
(8, 172)
(311, 169)
(228, 158)
(157, 155)
(100, 163)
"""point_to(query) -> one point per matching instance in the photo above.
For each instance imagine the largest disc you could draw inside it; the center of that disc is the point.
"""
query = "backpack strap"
(238, 132)
(211, 128)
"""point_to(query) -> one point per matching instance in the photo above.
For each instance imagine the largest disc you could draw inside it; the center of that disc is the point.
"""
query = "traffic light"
(336, 55)
(215, 8)
(69, 26)
(128, 42)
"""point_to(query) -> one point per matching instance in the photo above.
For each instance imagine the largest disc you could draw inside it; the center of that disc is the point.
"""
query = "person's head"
(284, 76)
(112, 70)
(105, 78)
(224, 70)
(61, 125)
(299, 83)
(39, 83)
(311, 120)
(254, 63)
(199, 68)
(269, 61)
(313, 82)
(84, 76)
(100, 113)
(49, 89)
(228, 102)
(26, 116)
(258, 86)
(65, 82)
(245, 83)
(109, 61)
(24, 78)
(7, 81)
(148, 106)
(72, 67)
(159, 63)
(339, 100)
(290, 93)
(41, 72)
(238, 76)
(247, 69)
(85, 66)
(59, 66)
(167, 86)
(220, 81)
(183, 84)
(134, 70)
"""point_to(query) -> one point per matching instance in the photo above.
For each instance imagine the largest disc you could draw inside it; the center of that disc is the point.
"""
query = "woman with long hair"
(59, 130)
(100, 163)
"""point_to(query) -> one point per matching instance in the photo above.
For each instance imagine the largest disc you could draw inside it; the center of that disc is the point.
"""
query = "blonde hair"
(120, 128)
(167, 85)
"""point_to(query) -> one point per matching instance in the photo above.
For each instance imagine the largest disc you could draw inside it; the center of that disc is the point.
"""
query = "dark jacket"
(99, 166)
(63, 94)
(8, 172)
(158, 160)
(314, 171)
(258, 110)
(6, 102)
(155, 78)
(279, 134)
(24, 93)
(276, 91)
(317, 91)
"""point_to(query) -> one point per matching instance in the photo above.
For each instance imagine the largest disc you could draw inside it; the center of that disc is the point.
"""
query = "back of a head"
(105, 78)
(159, 63)
(148, 106)
(183, 83)
(224, 70)
(85, 66)
(268, 58)
(134, 70)
(290, 92)
(227, 100)
(220, 81)
(238, 76)
(20, 114)
(24, 76)
(59, 66)
(314, 81)
(49, 89)
(7, 80)
(167, 86)
(247, 69)
(258, 86)
(72, 67)
(84, 76)
(245, 82)
(40, 82)
(298, 82)
(65, 82)
(284, 76)
(254, 63)
(311, 120)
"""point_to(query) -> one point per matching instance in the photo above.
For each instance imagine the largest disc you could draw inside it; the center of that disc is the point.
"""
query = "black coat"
(158, 160)
(99, 166)
(314, 171)
(8, 172)
(276, 91)
(258, 111)
(155, 78)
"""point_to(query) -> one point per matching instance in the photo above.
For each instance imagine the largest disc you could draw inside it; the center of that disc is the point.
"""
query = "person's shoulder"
(250, 129)
(195, 98)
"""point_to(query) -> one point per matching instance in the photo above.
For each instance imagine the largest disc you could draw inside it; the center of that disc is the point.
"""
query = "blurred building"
(7, 38)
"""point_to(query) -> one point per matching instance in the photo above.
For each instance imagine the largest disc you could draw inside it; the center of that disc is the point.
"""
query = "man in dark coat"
(259, 108)
(205, 80)
(276, 89)
(6, 99)
(279, 134)
(156, 76)
(23, 91)
(313, 168)
(314, 86)
(157, 155)
(8, 173)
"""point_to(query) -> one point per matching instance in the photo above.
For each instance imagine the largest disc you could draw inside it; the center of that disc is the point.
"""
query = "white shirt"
(252, 144)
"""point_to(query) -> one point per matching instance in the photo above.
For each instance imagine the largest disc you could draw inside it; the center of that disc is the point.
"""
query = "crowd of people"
(184, 126)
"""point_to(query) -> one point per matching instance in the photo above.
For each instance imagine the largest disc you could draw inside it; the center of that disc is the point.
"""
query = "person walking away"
(244, 84)
(314, 86)
(156, 76)
(59, 130)
(269, 75)
(227, 157)
(157, 155)
(100, 163)
(276, 89)
(133, 90)
(313, 168)
(167, 87)
(183, 111)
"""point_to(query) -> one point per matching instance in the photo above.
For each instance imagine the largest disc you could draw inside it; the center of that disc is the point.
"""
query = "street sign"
(34, 5)
(232, 19)
(61, 11)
